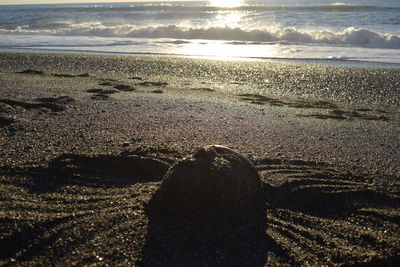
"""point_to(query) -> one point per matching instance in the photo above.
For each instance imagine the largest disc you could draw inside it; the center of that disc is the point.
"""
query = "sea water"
(349, 30)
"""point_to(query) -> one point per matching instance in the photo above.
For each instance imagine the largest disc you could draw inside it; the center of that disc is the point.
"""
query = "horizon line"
(60, 2)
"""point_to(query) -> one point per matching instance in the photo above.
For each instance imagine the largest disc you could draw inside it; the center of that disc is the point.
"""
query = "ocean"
(350, 30)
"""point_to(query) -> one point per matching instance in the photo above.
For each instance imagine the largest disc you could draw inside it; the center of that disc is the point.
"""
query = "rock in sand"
(214, 183)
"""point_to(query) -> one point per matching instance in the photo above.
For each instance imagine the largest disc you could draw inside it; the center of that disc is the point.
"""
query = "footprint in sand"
(123, 87)
(261, 100)
(106, 84)
(101, 94)
(99, 97)
(54, 74)
(205, 89)
(46, 103)
(338, 114)
(102, 91)
(333, 111)
(32, 72)
(153, 84)
(116, 85)
(58, 100)
(51, 103)
(299, 103)
(64, 75)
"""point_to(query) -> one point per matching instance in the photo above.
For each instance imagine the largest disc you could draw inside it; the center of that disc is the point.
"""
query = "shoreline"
(71, 124)
(314, 61)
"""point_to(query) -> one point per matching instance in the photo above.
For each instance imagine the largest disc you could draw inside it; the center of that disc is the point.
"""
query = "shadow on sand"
(92, 171)
(315, 214)
(183, 242)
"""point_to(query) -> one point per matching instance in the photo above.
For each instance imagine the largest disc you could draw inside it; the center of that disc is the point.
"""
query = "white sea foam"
(342, 4)
(202, 48)
(350, 36)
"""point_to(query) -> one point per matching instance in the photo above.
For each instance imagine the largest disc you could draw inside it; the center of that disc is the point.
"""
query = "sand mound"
(214, 182)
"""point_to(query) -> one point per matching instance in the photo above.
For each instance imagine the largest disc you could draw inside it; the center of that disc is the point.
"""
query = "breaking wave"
(350, 36)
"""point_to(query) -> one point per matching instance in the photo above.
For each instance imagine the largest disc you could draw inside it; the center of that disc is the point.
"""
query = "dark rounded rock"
(213, 183)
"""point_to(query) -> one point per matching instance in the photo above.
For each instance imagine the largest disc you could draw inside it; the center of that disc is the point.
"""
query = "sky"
(18, 2)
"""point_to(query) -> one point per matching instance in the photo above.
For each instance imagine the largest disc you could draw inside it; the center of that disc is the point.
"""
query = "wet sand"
(87, 139)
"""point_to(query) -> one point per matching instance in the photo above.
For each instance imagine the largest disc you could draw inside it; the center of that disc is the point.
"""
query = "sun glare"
(225, 3)
(231, 20)
(226, 50)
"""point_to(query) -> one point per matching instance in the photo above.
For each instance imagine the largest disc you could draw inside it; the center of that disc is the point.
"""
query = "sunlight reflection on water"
(231, 19)
(227, 50)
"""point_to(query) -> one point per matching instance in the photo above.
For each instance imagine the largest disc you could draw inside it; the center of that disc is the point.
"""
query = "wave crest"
(350, 36)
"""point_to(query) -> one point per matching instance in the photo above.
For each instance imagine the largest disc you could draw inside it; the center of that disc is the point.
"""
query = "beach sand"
(86, 140)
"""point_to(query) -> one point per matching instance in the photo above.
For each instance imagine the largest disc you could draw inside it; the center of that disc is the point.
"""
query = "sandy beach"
(86, 140)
